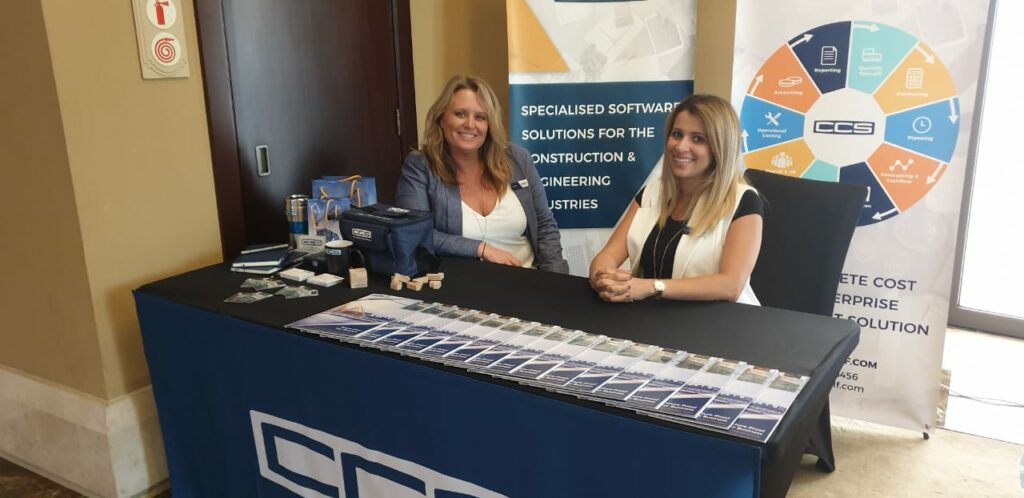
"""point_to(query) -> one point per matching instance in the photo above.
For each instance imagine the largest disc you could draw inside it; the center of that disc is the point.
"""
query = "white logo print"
(315, 464)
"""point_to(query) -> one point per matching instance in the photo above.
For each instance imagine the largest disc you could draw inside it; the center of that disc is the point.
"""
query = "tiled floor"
(16, 482)
(986, 392)
(982, 366)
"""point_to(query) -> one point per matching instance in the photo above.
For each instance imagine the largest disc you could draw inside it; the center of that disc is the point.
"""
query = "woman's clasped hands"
(617, 285)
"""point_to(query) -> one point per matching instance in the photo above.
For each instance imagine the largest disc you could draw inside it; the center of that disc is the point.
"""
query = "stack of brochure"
(718, 394)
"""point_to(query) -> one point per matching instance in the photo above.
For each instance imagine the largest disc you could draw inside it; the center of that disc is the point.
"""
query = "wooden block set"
(432, 280)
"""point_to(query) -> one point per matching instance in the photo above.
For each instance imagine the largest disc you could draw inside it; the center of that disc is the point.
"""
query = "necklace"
(659, 268)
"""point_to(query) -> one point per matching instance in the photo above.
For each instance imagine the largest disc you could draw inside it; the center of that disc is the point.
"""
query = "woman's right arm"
(605, 276)
(414, 193)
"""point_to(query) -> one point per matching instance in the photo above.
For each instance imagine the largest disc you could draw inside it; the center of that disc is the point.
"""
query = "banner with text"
(873, 93)
(590, 86)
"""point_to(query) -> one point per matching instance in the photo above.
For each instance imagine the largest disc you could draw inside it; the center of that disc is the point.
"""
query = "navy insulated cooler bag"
(392, 240)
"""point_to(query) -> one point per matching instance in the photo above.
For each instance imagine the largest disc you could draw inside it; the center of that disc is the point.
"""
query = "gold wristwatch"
(659, 288)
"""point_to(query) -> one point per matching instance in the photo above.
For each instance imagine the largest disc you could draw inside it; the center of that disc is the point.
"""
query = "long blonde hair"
(718, 192)
(494, 151)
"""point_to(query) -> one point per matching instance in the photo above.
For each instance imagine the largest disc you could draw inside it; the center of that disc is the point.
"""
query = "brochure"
(408, 327)
(437, 332)
(760, 419)
(690, 399)
(530, 332)
(668, 381)
(557, 355)
(546, 342)
(609, 367)
(464, 331)
(735, 397)
(640, 373)
(356, 317)
(573, 367)
(498, 329)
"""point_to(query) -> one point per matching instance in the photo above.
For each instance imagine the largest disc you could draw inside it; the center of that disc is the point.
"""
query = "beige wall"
(108, 185)
(716, 34)
(139, 159)
(49, 326)
(452, 37)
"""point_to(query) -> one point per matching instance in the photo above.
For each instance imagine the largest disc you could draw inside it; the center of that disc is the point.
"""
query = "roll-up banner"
(591, 83)
(877, 93)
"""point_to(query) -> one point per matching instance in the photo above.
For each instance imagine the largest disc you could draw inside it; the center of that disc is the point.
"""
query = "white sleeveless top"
(504, 227)
(694, 256)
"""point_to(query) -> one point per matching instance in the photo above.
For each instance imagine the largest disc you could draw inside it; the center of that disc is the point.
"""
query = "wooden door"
(322, 85)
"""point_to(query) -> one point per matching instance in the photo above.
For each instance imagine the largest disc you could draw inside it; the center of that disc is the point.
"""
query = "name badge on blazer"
(520, 184)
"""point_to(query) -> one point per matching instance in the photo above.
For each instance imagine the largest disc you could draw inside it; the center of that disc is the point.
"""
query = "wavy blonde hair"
(718, 192)
(494, 151)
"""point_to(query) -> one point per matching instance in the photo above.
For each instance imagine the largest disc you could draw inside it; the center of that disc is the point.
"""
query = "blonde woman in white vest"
(694, 233)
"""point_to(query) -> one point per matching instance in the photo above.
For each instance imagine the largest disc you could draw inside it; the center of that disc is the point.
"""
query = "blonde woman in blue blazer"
(485, 193)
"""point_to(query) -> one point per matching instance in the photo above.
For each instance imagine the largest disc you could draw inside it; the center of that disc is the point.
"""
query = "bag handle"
(327, 207)
(353, 192)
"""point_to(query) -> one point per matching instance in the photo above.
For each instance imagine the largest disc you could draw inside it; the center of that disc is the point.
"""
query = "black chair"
(808, 226)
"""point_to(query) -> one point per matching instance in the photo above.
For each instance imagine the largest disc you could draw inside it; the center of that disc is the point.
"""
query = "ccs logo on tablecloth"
(315, 464)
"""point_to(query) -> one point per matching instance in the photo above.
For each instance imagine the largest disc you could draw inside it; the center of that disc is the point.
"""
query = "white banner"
(878, 93)
(590, 84)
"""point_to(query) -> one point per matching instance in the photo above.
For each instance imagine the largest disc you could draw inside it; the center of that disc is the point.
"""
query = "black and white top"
(677, 254)
(656, 258)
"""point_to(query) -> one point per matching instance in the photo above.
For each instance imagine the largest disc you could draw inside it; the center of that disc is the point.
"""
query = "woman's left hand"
(613, 286)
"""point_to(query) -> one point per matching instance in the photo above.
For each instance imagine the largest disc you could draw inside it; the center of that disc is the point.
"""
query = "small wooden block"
(357, 278)
(400, 277)
(435, 276)
(435, 284)
(414, 285)
(396, 284)
(421, 280)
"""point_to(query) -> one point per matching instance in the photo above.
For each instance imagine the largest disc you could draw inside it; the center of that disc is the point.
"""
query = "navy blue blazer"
(419, 188)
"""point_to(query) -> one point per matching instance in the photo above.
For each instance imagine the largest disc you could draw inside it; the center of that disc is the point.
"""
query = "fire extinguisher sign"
(160, 31)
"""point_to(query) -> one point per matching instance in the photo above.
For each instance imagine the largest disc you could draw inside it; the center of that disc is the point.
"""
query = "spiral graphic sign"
(165, 49)
(160, 36)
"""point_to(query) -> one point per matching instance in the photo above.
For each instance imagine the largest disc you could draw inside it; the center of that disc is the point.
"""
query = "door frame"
(958, 315)
(220, 111)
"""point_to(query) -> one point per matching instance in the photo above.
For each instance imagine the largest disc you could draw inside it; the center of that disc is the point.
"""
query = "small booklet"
(530, 332)
(760, 419)
(557, 355)
(262, 258)
(546, 342)
(501, 328)
(666, 382)
(355, 317)
(609, 367)
(636, 376)
(585, 360)
(735, 397)
(690, 399)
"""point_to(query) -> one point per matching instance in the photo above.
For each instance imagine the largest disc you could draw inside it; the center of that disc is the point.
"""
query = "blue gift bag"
(360, 190)
(325, 217)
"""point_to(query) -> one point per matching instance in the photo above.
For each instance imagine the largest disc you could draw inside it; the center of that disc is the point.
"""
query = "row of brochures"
(718, 394)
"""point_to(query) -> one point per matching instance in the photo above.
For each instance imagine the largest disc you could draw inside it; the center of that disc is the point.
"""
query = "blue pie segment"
(765, 124)
(929, 130)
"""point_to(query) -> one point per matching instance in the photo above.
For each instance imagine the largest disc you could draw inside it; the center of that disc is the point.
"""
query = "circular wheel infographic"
(854, 102)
